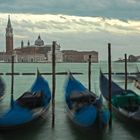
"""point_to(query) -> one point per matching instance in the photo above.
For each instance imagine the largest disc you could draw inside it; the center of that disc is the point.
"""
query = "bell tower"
(9, 37)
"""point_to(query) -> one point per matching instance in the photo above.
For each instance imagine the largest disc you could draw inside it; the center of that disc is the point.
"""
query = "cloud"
(64, 23)
(75, 32)
(110, 8)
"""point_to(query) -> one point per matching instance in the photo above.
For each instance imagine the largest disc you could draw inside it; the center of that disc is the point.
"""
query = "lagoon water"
(64, 129)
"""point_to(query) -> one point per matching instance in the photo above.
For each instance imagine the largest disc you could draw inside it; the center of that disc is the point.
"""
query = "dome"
(39, 42)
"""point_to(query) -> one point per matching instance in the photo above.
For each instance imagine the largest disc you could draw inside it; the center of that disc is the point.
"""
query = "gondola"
(2, 88)
(29, 107)
(125, 103)
(83, 107)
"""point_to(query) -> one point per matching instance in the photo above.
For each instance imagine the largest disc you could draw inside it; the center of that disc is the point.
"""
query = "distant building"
(29, 58)
(38, 52)
(58, 54)
(9, 37)
(79, 56)
(6, 56)
(38, 48)
(41, 52)
(133, 58)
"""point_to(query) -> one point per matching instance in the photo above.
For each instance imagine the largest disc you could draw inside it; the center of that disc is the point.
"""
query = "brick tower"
(9, 37)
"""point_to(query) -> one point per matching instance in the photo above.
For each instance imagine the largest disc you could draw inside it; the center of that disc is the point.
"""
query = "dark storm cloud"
(122, 9)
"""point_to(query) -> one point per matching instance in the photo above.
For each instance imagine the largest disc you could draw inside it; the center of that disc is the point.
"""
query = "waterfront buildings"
(39, 51)
(133, 58)
(79, 56)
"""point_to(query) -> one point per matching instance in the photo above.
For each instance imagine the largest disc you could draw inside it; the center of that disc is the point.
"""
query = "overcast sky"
(81, 25)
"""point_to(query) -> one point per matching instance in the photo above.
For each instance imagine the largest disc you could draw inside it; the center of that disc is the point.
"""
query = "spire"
(9, 37)
(39, 36)
(9, 22)
(28, 43)
(22, 44)
(9, 29)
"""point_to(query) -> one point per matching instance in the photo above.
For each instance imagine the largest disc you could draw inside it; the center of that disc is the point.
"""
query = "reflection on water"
(85, 133)
(30, 132)
(126, 131)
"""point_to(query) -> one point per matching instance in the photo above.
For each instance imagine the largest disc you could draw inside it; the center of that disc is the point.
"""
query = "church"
(37, 52)
(41, 52)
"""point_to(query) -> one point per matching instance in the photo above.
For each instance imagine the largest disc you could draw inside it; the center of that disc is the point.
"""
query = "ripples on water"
(64, 129)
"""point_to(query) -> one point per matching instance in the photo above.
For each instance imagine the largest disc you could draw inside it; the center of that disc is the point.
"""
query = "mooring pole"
(12, 81)
(53, 83)
(89, 73)
(110, 86)
(125, 72)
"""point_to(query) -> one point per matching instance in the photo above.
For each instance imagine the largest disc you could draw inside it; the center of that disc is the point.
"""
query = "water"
(64, 129)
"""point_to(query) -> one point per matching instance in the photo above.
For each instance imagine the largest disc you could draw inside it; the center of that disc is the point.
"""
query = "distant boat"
(83, 107)
(29, 107)
(2, 88)
(125, 104)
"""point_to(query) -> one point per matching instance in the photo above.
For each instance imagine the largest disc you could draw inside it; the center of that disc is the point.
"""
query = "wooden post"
(125, 72)
(89, 73)
(53, 83)
(110, 86)
(12, 81)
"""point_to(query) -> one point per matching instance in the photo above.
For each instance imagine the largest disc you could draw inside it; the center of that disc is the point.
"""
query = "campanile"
(9, 37)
